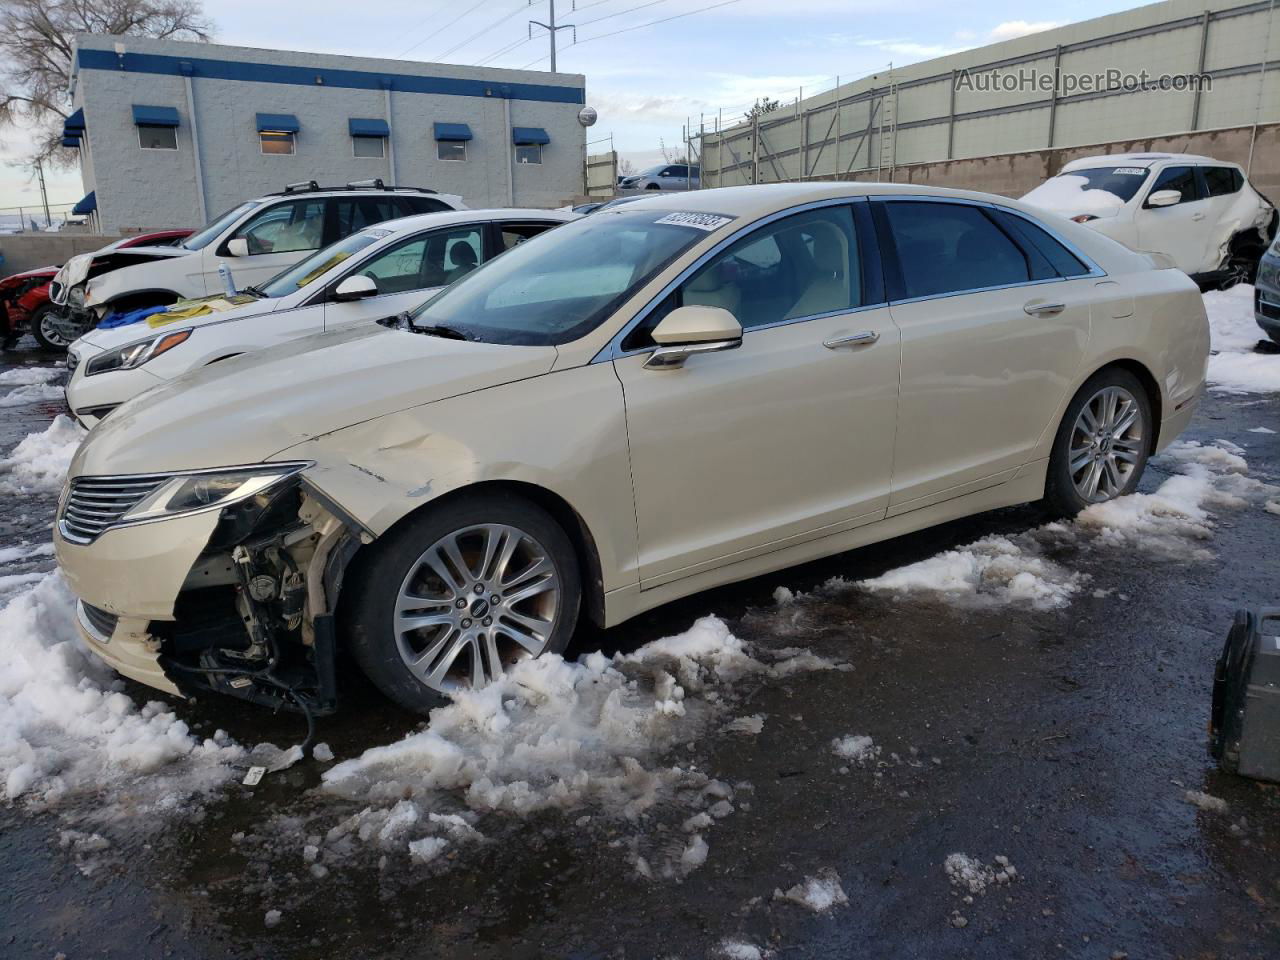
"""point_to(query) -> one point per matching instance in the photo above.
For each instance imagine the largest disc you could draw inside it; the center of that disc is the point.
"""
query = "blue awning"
(72, 142)
(145, 116)
(526, 135)
(87, 205)
(370, 127)
(277, 123)
(452, 131)
(75, 121)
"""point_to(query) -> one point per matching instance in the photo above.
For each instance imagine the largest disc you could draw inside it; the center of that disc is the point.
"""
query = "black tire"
(653, 186)
(48, 339)
(371, 593)
(1061, 498)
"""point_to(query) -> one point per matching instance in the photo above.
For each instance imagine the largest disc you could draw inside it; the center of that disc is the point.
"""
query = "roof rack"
(311, 186)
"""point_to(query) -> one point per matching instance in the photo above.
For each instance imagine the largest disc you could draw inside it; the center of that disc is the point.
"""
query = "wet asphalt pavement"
(1064, 740)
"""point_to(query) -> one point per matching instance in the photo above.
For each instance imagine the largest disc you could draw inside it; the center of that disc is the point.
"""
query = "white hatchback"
(378, 272)
(1201, 213)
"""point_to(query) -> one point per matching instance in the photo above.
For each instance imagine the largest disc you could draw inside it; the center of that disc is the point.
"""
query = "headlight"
(75, 296)
(135, 354)
(200, 491)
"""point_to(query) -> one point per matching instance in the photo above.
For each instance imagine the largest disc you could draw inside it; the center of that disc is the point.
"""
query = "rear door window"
(946, 248)
(1062, 261)
(1222, 181)
(514, 234)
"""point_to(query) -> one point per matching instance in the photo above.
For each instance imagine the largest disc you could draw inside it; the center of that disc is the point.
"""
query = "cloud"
(1012, 29)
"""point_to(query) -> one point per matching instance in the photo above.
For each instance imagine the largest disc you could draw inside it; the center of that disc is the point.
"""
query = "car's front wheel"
(44, 327)
(459, 593)
(1102, 444)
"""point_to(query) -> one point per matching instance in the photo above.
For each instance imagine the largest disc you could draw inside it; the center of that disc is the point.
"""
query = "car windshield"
(563, 284)
(202, 238)
(292, 279)
(1100, 187)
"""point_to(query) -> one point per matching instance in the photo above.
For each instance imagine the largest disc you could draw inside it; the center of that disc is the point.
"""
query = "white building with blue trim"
(170, 134)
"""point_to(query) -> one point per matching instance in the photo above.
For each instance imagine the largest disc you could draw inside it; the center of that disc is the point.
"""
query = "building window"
(451, 150)
(277, 142)
(528, 153)
(157, 138)
(371, 147)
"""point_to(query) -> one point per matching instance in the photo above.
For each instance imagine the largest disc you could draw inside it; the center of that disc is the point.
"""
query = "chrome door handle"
(863, 338)
(1037, 309)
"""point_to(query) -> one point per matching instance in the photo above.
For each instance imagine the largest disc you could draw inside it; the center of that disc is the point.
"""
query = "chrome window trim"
(613, 349)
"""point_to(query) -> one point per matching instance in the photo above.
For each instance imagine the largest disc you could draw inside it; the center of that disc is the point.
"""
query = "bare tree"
(36, 38)
(626, 168)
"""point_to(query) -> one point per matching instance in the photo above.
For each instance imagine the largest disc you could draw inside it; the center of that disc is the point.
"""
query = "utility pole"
(551, 28)
(44, 194)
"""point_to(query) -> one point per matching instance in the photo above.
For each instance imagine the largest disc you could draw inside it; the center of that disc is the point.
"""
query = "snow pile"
(740, 950)
(31, 393)
(23, 376)
(67, 732)
(39, 463)
(555, 734)
(1070, 195)
(993, 570)
(1234, 365)
(751, 725)
(859, 749)
(972, 875)
(25, 552)
(817, 893)
(1205, 801)
(1173, 522)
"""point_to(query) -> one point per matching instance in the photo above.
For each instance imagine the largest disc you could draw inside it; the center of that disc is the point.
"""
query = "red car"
(24, 297)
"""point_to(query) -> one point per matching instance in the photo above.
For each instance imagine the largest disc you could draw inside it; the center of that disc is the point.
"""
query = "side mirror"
(693, 329)
(239, 247)
(1164, 198)
(355, 287)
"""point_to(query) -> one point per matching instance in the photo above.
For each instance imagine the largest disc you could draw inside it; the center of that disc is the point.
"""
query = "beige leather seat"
(712, 288)
(829, 288)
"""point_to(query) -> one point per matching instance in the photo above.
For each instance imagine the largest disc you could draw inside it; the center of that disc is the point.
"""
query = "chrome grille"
(103, 622)
(96, 503)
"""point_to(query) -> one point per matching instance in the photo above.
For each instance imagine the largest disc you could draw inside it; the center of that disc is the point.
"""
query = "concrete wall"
(1014, 174)
(151, 189)
(26, 251)
(959, 106)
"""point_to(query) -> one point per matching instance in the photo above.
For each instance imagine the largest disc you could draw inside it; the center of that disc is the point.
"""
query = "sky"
(644, 82)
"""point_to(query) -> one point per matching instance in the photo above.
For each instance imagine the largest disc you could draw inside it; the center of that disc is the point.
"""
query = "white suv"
(378, 272)
(1200, 212)
(256, 239)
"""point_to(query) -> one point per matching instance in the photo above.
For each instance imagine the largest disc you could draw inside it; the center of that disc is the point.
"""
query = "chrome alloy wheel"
(476, 601)
(1106, 444)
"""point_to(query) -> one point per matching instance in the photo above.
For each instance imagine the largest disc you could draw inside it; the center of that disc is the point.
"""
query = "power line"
(437, 33)
(641, 26)
(482, 31)
(505, 50)
(621, 13)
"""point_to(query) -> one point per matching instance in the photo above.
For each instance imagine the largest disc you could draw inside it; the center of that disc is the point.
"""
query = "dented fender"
(564, 433)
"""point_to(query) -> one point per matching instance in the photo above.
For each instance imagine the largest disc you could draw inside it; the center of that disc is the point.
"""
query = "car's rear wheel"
(458, 594)
(44, 327)
(1102, 444)
(653, 186)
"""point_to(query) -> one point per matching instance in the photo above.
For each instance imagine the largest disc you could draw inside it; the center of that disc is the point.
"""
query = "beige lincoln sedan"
(673, 394)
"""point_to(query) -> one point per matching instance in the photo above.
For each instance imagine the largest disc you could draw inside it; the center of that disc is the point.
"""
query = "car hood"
(215, 309)
(77, 268)
(246, 409)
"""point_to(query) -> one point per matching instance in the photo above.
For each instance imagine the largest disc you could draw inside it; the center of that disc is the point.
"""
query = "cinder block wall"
(26, 251)
(155, 189)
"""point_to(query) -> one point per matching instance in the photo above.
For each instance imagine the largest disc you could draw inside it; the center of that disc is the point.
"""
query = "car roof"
(444, 218)
(1140, 160)
(750, 202)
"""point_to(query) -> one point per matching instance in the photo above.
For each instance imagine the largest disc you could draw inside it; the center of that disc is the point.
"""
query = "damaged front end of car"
(253, 616)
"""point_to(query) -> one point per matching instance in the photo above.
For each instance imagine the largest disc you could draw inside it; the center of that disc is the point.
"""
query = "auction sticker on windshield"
(1129, 172)
(699, 221)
